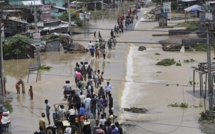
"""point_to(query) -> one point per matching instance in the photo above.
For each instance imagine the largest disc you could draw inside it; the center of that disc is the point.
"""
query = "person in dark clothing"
(76, 100)
(93, 106)
(92, 50)
(41, 130)
(119, 127)
(111, 33)
(110, 101)
(89, 72)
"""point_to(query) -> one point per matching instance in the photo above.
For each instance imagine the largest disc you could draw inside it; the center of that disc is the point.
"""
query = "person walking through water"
(48, 111)
(99, 35)
(109, 44)
(111, 33)
(20, 81)
(30, 92)
(97, 52)
(95, 34)
(114, 41)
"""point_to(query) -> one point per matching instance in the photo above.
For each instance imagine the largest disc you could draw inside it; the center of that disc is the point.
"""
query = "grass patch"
(158, 72)
(190, 25)
(44, 67)
(166, 62)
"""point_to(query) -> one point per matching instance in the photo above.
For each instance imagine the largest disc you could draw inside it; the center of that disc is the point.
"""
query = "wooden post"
(28, 74)
(200, 83)
(206, 79)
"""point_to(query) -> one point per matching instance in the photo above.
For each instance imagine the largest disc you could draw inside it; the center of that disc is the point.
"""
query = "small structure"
(53, 45)
(202, 69)
(193, 10)
(15, 25)
(162, 21)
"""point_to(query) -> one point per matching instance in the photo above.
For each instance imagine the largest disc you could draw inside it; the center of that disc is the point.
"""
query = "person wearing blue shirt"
(82, 111)
(47, 111)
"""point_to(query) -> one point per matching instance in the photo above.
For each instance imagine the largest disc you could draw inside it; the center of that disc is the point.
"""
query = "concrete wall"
(52, 46)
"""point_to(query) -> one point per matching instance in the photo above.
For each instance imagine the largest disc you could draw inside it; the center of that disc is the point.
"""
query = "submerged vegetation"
(189, 60)
(44, 67)
(166, 62)
(181, 105)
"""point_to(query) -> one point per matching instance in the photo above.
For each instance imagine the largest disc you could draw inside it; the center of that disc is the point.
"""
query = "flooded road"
(134, 78)
(26, 112)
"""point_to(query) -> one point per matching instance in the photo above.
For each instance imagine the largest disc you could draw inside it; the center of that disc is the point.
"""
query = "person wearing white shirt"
(102, 120)
(90, 45)
(72, 113)
(108, 88)
(82, 97)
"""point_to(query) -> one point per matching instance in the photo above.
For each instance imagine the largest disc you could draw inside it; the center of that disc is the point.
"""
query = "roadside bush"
(174, 5)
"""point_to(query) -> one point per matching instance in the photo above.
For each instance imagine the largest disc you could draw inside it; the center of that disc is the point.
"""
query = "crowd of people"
(88, 98)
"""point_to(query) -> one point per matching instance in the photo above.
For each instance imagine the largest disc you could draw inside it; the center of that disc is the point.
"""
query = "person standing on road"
(90, 45)
(97, 44)
(104, 53)
(109, 44)
(76, 100)
(115, 29)
(114, 41)
(67, 89)
(95, 77)
(108, 88)
(99, 35)
(94, 34)
(93, 106)
(82, 97)
(97, 53)
(110, 101)
(111, 33)
(84, 72)
(42, 122)
(47, 111)
(87, 106)
(101, 91)
(92, 50)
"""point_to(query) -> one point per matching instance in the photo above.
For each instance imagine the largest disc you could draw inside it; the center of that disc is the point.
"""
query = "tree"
(15, 46)
(74, 17)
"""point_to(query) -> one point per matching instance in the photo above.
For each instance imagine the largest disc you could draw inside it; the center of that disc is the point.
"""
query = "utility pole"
(210, 85)
(94, 5)
(69, 15)
(102, 5)
(1, 62)
(35, 18)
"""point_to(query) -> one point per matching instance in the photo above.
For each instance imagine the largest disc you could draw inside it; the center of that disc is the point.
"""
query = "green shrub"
(166, 62)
